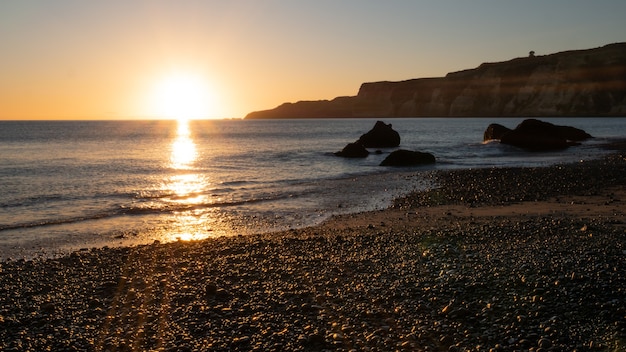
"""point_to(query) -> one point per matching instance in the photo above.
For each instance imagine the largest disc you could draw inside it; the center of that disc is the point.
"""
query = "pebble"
(545, 343)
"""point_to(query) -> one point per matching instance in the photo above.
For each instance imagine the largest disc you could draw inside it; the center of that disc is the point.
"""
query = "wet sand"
(494, 259)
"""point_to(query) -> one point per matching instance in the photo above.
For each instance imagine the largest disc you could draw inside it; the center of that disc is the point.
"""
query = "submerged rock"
(380, 136)
(404, 157)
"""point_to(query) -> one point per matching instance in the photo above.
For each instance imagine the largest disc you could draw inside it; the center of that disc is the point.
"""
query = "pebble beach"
(496, 259)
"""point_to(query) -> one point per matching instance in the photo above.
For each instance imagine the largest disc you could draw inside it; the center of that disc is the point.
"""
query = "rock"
(381, 136)
(495, 131)
(572, 133)
(48, 307)
(210, 289)
(353, 150)
(539, 135)
(402, 157)
(545, 343)
(222, 294)
(541, 127)
(315, 341)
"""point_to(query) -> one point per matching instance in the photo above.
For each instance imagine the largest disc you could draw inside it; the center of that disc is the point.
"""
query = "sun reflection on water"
(184, 152)
(186, 187)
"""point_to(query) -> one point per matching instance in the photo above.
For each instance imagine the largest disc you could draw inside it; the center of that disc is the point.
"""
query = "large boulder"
(381, 136)
(353, 150)
(495, 131)
(539, 135)
(402, 157)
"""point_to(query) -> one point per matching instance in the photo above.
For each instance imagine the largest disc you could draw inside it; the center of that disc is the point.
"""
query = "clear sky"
(65, 59)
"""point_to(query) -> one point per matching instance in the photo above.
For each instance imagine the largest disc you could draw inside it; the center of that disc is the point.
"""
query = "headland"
(585, 83)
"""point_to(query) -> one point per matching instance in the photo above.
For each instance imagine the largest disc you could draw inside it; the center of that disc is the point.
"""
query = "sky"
(127, 59)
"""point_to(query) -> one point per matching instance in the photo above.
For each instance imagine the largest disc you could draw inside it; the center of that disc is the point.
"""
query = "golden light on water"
(184, 152)
(186, 187)
(190, 227)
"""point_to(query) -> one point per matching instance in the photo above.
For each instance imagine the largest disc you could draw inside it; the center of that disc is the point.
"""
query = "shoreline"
(125, 209)
(505, 259)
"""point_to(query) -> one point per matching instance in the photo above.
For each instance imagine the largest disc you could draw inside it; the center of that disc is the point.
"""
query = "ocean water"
(67, 185)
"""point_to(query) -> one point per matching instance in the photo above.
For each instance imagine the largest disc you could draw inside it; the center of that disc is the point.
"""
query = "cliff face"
(573, 83)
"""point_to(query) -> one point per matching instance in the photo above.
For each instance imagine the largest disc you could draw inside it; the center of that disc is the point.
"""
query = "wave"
(52, 222)
(29, 201)
(148, 207)
(176, 208)
(59, 198)
(238, 183)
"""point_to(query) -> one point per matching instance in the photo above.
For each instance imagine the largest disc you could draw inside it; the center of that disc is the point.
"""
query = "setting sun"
(182, 95)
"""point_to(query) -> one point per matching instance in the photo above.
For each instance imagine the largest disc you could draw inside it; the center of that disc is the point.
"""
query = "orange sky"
(68, 59)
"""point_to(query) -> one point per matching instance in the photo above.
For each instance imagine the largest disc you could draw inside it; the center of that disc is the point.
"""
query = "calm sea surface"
(66, 185)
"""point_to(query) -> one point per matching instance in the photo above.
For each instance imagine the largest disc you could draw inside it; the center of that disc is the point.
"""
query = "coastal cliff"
(588, 82)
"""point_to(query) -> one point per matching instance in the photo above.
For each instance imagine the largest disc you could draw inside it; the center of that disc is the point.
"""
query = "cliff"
(588, 82)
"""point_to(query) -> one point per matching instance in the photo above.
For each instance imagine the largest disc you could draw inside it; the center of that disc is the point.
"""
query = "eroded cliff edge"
(588, 82)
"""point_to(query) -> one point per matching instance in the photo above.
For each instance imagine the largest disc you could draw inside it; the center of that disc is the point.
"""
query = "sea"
(75, 185)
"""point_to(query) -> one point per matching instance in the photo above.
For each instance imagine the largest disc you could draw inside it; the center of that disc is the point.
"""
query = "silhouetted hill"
(588, 82)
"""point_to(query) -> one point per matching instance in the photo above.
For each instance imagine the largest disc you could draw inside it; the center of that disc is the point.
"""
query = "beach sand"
(495, 259)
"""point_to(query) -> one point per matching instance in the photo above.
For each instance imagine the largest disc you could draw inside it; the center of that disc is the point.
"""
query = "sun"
(181, 96)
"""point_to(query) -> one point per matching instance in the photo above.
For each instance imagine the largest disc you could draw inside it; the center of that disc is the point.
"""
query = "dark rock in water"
(381, 136)
(404, 157)
(495, 131)
(353, 150)
(572, 133)
(541, 127)
(539, 135)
